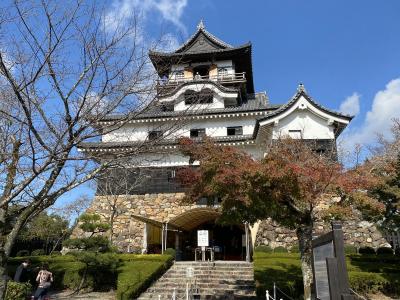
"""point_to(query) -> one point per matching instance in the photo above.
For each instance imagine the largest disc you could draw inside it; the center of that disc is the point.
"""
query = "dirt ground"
(69, 295)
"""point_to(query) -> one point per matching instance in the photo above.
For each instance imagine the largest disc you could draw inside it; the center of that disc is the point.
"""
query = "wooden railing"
(225, 78)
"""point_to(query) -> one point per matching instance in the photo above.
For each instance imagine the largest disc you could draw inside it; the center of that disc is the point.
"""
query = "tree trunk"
(304, 235)
(3, 273)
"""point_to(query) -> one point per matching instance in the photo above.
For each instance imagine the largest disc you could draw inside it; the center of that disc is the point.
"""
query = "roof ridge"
(201, 28)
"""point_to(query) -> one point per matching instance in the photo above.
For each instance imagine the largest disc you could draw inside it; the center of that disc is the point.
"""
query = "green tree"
(52, 229)
(386, 164)
(288, 185)
(94, 249)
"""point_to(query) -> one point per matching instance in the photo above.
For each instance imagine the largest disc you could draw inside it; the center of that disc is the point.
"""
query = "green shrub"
(38, 252)
(170, 251)
(18, 290)
(280, 249)
(349, 249)
(365, 282)
(22, 253)
(366, 250)
(295, 249)
(55, 253)
(138, 272)
(384, 251)
(263, 248)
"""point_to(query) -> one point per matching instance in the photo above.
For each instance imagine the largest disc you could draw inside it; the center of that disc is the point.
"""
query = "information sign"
(202, 238)
(320, 253)
(189, 272)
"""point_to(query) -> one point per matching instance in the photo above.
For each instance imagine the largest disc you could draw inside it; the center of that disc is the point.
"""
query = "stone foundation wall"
(128, 232)
(356, 233)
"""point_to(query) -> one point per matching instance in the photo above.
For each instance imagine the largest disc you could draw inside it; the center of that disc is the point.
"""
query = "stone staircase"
(213, 280)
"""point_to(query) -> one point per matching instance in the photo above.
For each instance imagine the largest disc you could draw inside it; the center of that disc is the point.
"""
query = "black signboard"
(329, 266)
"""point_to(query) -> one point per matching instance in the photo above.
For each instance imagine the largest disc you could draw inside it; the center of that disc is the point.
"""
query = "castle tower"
(205, 88)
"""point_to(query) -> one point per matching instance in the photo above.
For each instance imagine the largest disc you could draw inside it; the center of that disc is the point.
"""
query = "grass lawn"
(367, 273)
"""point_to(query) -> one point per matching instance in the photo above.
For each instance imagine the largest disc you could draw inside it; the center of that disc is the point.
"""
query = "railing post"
(274, 291)
(174, 294)
(187, 291)
(267, 295)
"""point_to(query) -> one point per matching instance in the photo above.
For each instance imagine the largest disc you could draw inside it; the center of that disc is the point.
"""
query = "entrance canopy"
(191, 219)
(186, 221)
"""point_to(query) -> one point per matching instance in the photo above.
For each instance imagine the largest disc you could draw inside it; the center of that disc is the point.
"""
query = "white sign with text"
(202, 238)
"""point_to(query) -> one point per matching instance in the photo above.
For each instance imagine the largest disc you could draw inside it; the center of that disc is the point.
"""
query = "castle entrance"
(225, 242)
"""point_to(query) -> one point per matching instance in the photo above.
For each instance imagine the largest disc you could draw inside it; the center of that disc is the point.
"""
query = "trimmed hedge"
(384, 251)
(170, 251)
(18, 290)
(38, 252)
(349, 249)
(263, 248)
(368, 283)
(366, 250)
(133, 275)
(22, 253)
(368, 273)
(280, 249)
(138, 272)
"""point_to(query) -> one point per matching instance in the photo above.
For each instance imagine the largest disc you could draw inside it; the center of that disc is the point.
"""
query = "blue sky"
(346, 52)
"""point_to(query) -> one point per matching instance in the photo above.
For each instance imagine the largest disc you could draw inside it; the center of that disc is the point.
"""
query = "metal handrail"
(219, 78)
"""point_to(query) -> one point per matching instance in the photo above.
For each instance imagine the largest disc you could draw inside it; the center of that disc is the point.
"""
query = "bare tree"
(63, 67)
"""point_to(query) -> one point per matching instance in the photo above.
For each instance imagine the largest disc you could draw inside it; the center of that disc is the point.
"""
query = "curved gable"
(303, 113)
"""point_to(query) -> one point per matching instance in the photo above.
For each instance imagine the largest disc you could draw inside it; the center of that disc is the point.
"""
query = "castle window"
(295, 134)
(154, 135)
(171, 175)
(167, 107)
(222, 72)
(236, 130)
(205, 96)
(195, 133)
(179, 75)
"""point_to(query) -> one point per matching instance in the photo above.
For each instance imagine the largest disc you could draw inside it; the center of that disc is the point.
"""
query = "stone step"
(219, 280)
(226, 280)
(203, 287)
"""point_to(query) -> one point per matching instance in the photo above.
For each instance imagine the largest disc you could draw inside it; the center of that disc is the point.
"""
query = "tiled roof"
(302, 92)
(161, 142)
(157, 110)
(179, 54)
(213, 38)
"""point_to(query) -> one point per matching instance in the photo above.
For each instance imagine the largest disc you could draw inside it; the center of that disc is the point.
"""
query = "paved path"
(69, 295)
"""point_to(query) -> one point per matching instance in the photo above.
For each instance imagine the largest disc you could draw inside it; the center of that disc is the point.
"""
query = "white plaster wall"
(176, 159)
(311, 126)
(214, 128)
(178, 96)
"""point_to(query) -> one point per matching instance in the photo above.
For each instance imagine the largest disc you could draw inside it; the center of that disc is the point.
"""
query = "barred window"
(235, 130)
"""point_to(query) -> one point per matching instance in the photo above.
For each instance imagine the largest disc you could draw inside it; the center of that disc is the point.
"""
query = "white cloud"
(170, 10)
(351, 105)
(378, 120)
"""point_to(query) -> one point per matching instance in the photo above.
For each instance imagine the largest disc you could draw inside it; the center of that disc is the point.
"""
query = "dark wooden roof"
(204, 46)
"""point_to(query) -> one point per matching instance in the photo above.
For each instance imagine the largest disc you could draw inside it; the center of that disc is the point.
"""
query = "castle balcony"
(165, 86)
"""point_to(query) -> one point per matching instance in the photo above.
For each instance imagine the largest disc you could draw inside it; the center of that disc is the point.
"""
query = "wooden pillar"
(246, 229)
(162, 239)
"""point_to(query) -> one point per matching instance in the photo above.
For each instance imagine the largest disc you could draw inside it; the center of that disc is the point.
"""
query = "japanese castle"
(205, 89)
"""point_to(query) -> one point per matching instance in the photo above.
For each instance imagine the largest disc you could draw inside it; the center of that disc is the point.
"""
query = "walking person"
(22, 272)
(44, 278)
